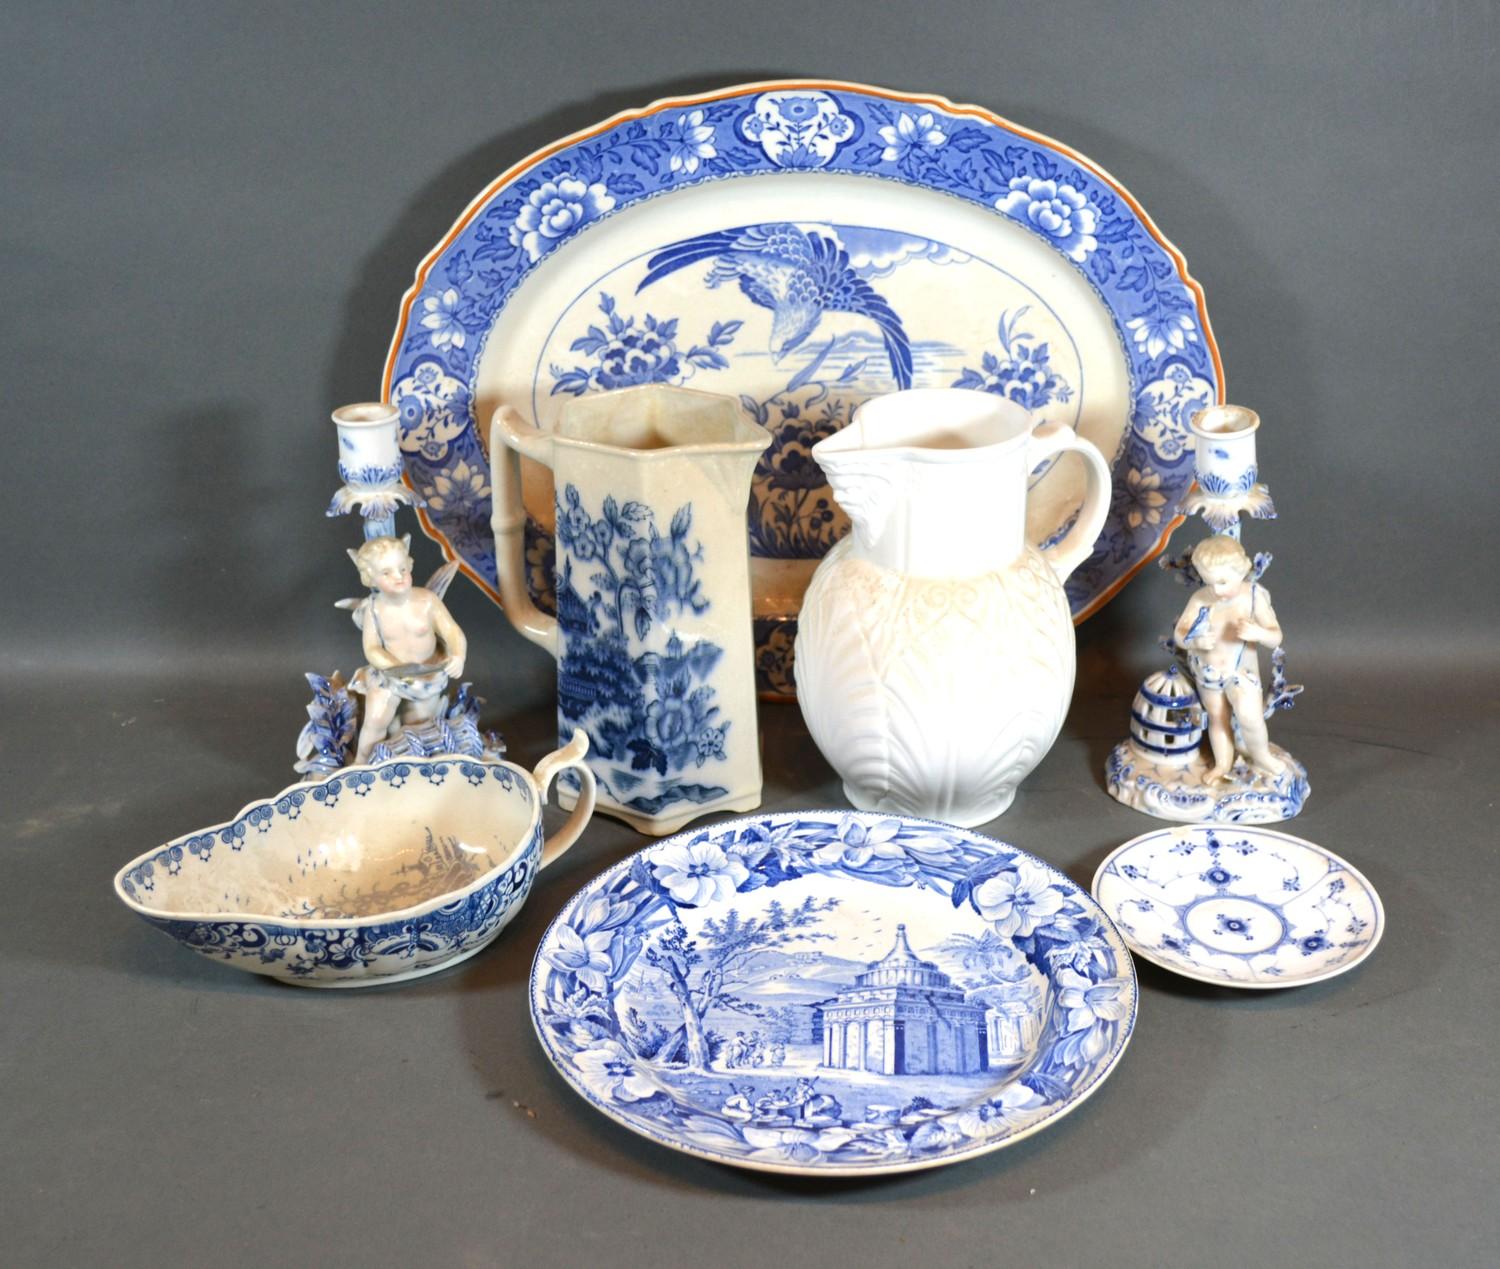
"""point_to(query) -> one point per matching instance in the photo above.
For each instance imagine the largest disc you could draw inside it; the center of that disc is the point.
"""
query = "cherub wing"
(356, 607)
(439, 582)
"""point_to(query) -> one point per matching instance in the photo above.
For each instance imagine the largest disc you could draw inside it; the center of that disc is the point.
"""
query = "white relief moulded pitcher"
(653, 632)
(935, 655)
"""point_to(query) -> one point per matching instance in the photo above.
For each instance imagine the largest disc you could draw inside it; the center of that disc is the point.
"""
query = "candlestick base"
(1178, 790)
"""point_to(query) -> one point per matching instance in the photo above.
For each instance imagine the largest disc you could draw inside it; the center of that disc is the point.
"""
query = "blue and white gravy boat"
(374, 874)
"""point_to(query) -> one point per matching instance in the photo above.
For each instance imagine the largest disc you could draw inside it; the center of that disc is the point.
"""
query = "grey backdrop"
(208, 215)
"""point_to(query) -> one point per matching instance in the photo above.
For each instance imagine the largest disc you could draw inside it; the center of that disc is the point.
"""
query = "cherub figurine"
(1220, 630)
(403, 626)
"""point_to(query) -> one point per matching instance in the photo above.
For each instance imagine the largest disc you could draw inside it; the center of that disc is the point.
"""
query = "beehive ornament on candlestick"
(1166, 720)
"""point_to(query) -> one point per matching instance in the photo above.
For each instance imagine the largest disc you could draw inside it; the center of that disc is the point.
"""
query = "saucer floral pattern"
(673, 933)
(1240, 905)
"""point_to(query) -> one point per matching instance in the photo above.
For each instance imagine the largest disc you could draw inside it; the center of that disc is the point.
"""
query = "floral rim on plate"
(757, 893)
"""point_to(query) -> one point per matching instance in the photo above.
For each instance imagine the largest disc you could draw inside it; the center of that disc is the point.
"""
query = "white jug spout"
(863, 481)
(933, 479)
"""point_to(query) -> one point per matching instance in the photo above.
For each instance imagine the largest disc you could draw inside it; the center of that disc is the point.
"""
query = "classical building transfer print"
(840, 990)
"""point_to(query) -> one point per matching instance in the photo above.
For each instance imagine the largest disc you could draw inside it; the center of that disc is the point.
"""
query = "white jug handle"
(547, 770)
(511, 436)
(1078, 543)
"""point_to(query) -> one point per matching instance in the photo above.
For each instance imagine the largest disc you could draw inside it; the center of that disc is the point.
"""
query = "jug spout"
(864, 481)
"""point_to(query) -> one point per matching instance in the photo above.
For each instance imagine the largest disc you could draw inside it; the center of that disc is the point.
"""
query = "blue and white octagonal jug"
(653, 631)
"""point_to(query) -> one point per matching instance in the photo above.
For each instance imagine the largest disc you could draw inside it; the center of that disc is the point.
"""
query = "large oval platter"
(833, 993)
(802, 246)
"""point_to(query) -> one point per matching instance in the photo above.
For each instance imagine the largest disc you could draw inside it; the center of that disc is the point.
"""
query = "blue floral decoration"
(1249, 907)
(653, 1080)
(961, 152)
(1022, 372)
(651, 714)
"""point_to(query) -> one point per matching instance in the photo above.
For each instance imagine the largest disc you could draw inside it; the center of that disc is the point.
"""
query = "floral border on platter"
(595, 941)
(923, 141)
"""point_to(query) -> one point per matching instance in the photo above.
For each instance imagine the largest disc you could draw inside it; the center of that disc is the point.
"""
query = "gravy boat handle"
(548, 769)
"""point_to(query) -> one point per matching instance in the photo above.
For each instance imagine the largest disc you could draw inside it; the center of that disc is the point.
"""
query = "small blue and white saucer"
(1240, 906)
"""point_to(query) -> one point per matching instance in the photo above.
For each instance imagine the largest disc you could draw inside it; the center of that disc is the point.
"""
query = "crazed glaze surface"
(373, 874)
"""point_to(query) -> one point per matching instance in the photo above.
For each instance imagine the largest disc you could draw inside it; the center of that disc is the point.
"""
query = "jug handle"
(1078, 543)
(510, 437)
(547, 770)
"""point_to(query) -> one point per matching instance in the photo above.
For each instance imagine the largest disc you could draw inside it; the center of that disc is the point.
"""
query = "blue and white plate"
(803, 246)
(834, 993)
(1240, 906)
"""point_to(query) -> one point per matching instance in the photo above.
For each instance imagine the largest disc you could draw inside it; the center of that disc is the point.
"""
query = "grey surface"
(207, 217)
(160, 1107)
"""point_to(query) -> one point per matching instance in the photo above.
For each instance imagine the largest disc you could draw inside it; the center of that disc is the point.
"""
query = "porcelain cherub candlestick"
(1227, 617)
(412, 645)
(1163, 768)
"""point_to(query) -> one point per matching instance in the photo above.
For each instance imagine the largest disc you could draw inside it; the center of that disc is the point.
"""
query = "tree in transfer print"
(985, 958)
(712, 969)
